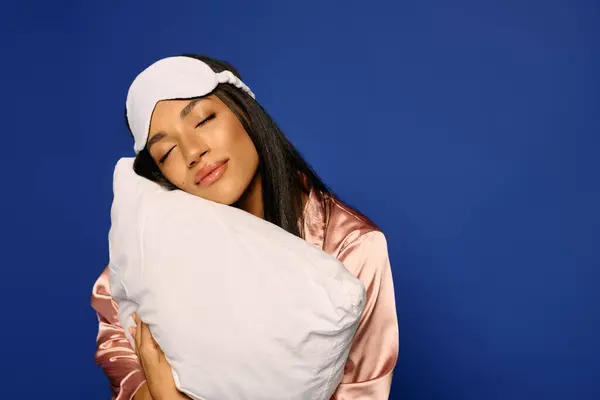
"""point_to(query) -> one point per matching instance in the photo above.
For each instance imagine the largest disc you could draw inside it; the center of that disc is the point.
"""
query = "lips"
(210, 173)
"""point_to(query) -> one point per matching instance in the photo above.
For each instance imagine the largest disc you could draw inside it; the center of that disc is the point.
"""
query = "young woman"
(224, 147)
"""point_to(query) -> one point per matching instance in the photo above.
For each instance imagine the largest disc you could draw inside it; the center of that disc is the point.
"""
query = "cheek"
(175, 172)
(232, 135)
(246, 150)
(246, 159)
(238, 144)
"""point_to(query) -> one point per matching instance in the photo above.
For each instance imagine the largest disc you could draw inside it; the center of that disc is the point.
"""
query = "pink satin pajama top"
(341, 232)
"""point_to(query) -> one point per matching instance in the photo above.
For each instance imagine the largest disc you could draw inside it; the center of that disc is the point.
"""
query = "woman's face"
(201, 147)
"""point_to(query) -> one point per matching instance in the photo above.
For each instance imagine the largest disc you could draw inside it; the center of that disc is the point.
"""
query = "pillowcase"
(241, 308)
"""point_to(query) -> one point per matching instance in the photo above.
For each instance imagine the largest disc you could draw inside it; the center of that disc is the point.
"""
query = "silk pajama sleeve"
(374, 352)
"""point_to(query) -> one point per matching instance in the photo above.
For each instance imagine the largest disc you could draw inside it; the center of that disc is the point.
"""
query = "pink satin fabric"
(341, 232)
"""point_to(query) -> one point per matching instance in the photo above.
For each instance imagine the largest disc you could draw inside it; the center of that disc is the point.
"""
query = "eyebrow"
(188, 109)
(154, 139)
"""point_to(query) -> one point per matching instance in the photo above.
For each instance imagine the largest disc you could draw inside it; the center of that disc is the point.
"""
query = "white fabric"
(241, 308)
(170, 78)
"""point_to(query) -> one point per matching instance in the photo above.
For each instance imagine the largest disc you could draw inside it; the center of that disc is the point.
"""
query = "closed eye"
(163, 158)
(205, 120)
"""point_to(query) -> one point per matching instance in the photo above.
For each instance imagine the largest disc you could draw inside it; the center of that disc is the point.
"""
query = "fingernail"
(132, 331)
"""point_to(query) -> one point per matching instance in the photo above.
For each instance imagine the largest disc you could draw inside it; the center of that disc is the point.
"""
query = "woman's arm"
(114, 353)
(374, 351)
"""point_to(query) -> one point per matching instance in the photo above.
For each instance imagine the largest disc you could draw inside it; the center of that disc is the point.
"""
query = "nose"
(193, 149)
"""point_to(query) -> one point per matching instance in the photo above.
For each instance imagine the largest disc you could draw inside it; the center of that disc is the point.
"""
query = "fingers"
(146, 347)
(146, 339)
(135, 332)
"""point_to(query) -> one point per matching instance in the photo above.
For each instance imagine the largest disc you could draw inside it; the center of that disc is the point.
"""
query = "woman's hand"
(159, 379)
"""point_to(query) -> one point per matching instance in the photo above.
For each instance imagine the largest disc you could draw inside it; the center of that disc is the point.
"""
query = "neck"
(252, 199)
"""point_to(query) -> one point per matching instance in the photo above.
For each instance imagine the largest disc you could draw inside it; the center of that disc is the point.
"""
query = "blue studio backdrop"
(468, 130)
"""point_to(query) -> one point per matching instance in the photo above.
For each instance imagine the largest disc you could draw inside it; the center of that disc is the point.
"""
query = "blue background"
(468, 130)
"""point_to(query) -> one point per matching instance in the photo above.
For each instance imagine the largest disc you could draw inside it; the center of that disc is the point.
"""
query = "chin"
(223, 193)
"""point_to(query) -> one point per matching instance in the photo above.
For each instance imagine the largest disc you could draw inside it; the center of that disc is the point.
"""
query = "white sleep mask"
(170, 78)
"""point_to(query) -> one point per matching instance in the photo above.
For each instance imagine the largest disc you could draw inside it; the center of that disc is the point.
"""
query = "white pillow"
(241, 308)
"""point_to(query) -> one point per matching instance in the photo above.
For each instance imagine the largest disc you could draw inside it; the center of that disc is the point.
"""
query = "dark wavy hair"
(284, 173)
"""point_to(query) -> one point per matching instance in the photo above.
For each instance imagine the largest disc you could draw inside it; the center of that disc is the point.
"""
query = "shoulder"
(347, 228)
(347, 221)
(357, 242)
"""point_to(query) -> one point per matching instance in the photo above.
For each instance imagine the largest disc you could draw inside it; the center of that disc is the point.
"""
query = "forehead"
(180, 105)
(174, 111)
